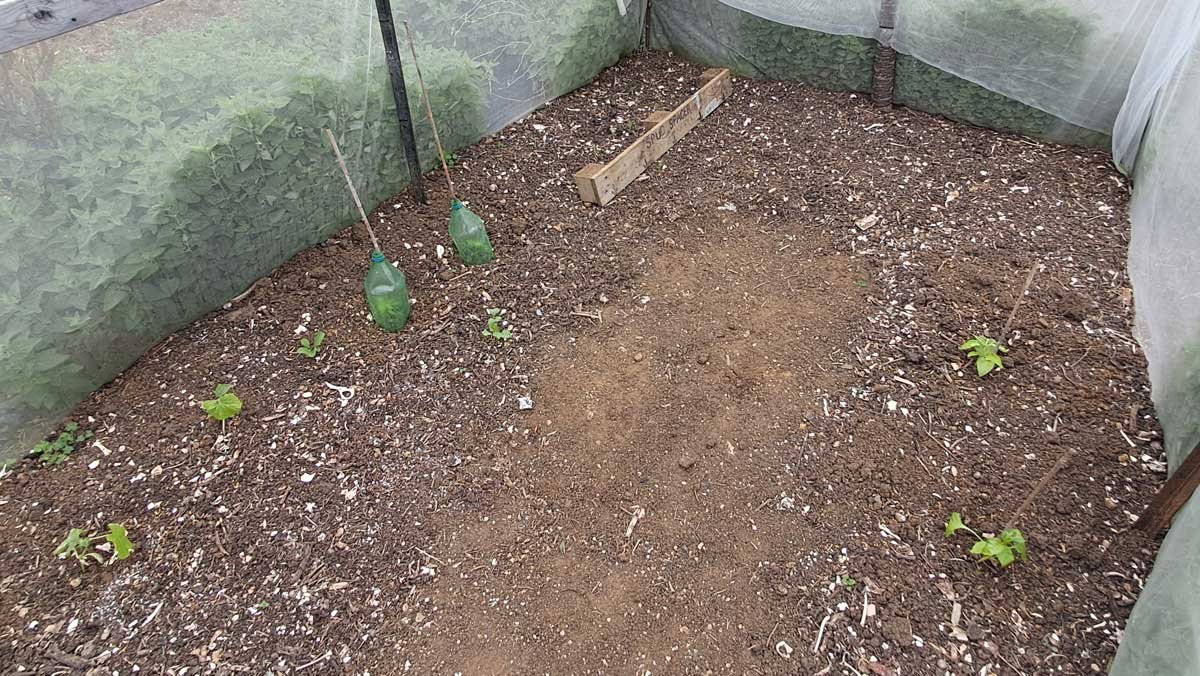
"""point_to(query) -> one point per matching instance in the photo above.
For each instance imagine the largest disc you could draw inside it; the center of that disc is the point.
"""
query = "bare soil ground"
(751, 420)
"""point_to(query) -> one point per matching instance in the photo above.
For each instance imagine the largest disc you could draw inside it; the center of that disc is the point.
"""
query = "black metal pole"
(387, 26)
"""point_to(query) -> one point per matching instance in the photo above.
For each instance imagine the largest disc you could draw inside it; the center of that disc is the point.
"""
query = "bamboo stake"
(429, 110)
(1040, 486)
(1020, 297)
(350, 184)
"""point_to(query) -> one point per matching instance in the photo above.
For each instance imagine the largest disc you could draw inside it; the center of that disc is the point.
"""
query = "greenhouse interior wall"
(150, 172)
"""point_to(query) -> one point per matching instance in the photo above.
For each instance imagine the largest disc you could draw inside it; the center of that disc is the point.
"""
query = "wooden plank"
(1172, 496)
(656, 117)
(599, 184)
(24, 22)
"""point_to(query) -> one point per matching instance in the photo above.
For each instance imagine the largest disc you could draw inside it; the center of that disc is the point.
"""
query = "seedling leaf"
(225, 406)
(986, 353)
(954, 524)
(119, 537)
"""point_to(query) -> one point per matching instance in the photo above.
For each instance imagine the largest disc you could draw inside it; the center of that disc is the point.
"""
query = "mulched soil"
(751, 420)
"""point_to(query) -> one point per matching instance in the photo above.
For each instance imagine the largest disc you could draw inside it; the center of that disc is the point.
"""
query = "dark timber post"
(387, 26)
(883, 80)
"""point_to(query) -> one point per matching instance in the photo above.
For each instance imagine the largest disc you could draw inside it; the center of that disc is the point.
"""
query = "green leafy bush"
(1034, 34)
(179, 170)
(780, 52)
(924, 87)
(555, 47)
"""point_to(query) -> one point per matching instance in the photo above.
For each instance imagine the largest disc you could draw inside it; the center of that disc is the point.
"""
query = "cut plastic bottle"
(387, 294)
(469, 235)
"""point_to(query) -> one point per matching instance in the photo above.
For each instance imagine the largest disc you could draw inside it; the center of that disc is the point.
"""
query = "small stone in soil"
(702, 359)
(686, 461)
(639, 356)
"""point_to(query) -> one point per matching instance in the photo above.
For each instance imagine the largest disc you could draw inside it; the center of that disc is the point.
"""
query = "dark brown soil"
(751, 420)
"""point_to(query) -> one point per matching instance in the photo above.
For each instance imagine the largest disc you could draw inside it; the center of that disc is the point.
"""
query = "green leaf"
(955, 524)
(75, 543)
(119, 538)
(225, 406)
(1016, 540)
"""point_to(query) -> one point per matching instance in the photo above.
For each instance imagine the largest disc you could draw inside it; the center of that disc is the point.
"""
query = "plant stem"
(1020, 297)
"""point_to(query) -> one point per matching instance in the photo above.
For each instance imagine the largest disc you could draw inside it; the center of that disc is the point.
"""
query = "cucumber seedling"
(56, 452)
(495, 325)
(986, 353)
(224, 406)
(78, 545)
(311, 348)
(1002, 550)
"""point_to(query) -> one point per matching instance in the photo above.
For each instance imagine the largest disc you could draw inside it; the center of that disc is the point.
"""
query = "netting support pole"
(387, 26)
(883, 76)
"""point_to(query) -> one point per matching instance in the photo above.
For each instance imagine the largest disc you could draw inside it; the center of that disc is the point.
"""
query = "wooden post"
(387, 26)
(883, 75)
(24, 22)
(1172, 496)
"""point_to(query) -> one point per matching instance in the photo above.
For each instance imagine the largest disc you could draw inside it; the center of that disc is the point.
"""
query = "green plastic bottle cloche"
(469, 235)
(387, 294)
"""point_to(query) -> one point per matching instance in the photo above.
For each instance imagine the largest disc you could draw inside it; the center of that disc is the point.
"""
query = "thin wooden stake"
(437, 139)
(337, 152)
(1020, 297)
(1040, 486)
(1172, 496)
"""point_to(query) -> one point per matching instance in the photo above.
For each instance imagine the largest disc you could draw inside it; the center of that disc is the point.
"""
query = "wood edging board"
(1173, 495)
(24, 22)
(600, 183)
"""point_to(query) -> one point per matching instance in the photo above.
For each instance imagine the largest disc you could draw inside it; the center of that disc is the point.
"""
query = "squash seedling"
(986, 353)
(78, 546)
(225, 406)
(1002, 550)
(56, 452)
(495, 325)
(311, 348)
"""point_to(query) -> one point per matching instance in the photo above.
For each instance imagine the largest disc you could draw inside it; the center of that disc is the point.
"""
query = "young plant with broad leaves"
(1002, 550)
(495, 325)
(78, 545)
(986, 353)
(311, 348)
(224, 406)
(56, 452)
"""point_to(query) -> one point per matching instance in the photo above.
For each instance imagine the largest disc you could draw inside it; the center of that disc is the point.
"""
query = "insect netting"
(1123, 74)
(154, 165)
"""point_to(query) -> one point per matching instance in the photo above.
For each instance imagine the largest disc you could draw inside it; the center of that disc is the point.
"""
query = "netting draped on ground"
(1163, 635)
(153, 166)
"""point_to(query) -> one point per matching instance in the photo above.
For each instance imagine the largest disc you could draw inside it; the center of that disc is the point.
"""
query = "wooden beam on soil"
(24, 22)
(1172, 496)
(656, 117)
(600, 183)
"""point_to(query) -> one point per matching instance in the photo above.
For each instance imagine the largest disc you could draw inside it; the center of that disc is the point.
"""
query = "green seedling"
(495, 327)
(1002, 550)
(225, 406)
(451, 159)
(847, 582)
(986, 353)
(56, 452)
(78, 545)
(310, 348)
